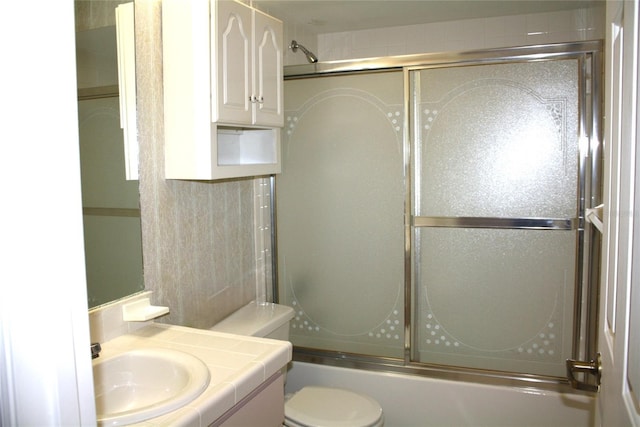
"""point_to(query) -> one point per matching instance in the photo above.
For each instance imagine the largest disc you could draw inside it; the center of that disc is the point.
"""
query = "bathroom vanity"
(245, 385)
(245, 374)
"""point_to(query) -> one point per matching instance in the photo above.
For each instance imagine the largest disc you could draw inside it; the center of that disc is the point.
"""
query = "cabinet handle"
(254, 98)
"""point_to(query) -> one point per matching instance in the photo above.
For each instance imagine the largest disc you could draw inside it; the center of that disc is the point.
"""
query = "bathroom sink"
(141, 384)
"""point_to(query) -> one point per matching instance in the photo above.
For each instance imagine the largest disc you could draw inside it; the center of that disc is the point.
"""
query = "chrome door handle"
(592, 367)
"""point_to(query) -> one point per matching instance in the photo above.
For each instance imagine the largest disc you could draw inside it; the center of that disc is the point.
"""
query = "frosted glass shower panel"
(340, 213)
(496, 161)
(498, 140)
(496, 299)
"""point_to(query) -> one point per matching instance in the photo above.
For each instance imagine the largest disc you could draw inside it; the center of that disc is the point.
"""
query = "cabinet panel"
(127, 86)
(232, 53)
(263, 407)
(268, 69)
(186, 78)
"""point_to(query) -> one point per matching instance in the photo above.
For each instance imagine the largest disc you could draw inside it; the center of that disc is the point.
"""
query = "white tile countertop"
(237, 364)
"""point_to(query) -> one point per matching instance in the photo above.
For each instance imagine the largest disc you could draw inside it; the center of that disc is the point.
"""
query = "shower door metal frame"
(589, 191)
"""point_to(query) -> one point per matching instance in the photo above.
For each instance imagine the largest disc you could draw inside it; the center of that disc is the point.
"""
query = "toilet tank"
(266, 320)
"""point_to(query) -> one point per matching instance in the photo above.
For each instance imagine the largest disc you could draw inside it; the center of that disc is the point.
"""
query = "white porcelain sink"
(145, 383)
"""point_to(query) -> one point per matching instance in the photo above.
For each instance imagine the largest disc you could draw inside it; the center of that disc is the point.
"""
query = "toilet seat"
(331, 407)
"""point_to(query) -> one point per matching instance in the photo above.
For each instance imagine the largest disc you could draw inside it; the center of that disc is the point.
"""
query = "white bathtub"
(409, 401)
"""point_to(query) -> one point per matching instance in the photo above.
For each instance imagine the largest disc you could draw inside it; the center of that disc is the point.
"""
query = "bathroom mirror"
(111, 213)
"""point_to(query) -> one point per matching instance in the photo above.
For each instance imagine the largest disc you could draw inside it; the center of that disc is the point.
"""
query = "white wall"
(470, 34)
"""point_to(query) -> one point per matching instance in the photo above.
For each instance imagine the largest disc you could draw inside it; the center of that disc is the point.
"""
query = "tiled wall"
(302, 36)
(470, 34)
(106, 322)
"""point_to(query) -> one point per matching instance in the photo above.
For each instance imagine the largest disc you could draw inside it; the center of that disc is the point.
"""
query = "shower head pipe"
(311, 57)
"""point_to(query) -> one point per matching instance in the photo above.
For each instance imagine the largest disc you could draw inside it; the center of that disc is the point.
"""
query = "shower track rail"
(501, 223)
(586, 315)
(444, 372)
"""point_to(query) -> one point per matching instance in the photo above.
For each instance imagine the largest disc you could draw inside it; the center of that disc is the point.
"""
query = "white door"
(619, 327)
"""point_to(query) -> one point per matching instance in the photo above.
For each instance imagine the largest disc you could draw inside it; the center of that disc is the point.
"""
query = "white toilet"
(311, 406)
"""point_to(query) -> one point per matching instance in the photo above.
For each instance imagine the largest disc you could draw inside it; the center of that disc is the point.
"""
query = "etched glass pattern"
(340, 213)
(496, 140)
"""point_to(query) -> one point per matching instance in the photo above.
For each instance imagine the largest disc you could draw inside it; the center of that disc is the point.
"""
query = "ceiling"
(329, 16)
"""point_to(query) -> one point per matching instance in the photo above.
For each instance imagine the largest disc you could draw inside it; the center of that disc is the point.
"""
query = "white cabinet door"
(231, 57)
(268, 78)
(247, 57)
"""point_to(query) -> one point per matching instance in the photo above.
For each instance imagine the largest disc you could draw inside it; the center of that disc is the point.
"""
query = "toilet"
(312, 406)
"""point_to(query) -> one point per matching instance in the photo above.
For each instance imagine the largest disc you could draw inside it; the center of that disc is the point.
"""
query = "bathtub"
(409, 400)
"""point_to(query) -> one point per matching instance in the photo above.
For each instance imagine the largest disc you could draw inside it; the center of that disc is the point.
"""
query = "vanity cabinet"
(264, 406)
(223, 89)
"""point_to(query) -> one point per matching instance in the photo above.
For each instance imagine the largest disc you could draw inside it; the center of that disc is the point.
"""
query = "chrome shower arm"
(311, 57)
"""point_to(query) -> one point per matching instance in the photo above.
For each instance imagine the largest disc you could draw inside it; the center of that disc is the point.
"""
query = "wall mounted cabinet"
(223, 79)
(248, 74)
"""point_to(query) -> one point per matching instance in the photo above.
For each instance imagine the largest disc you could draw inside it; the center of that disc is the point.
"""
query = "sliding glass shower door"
(434, 215)
(496, 194)
(340, 213)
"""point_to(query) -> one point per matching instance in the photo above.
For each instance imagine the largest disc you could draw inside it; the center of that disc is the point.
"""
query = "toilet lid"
(332, 407)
